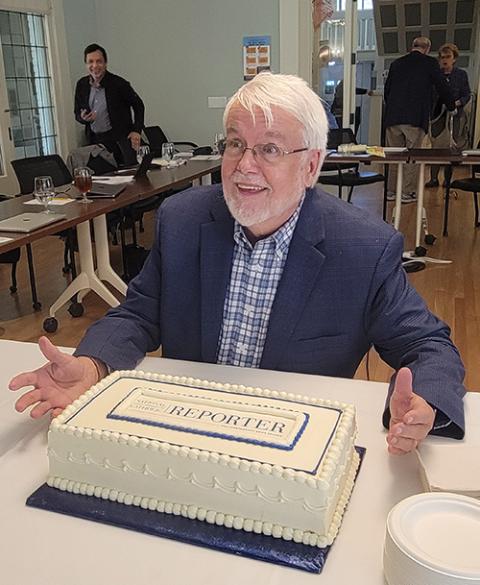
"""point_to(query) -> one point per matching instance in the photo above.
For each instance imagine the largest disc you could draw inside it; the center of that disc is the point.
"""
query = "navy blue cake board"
(247, 544)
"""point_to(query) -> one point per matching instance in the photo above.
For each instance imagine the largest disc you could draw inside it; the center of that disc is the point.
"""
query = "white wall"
(175, 53)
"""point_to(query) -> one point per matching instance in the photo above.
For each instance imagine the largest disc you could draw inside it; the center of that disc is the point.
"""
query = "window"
(28, 82)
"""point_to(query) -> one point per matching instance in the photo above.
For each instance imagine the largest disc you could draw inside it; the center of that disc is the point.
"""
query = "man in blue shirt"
(267, 271)
(107, 105)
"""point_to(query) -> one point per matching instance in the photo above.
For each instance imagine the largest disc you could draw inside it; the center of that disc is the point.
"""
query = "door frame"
(62, 96)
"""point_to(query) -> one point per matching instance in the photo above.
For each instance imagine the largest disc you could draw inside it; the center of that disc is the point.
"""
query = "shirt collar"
(100, 83)
(281, 238)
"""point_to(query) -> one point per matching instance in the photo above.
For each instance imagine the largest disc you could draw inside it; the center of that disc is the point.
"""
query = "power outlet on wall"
(217, 102)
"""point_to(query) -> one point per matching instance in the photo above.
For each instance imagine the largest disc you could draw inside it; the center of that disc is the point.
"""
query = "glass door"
(28, 114)
(344, 54)
(328, 60)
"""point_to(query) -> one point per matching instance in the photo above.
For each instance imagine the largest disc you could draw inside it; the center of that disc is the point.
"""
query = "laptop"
(110, 191)
(144, 166)
(105, 190)
(28, 222)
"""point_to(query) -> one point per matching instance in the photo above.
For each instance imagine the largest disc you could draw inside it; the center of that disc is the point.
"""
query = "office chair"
(26, 169)
(13, 257)
(471, 184)
(156, 137)
(347, 174)
(135, 211)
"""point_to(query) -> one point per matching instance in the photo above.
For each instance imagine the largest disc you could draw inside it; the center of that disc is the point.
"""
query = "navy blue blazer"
(343, 289)
(409, 88)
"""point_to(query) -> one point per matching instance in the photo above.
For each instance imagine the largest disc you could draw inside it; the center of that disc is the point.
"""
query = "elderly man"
(267, 271)
(107, 104)
(408, 100)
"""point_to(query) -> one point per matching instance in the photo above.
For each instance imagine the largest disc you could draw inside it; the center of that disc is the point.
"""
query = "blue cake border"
(255, 546)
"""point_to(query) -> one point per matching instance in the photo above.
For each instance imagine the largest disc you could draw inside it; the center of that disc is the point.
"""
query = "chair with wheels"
(156, 137)
(347, 174)
(13, 257)
(26, 169)
(471, 184)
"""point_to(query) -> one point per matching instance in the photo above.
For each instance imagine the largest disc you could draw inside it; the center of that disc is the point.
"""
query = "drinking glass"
(216, 142)
(168, 151)
(143, 150)
(83, 182)
(44, 191)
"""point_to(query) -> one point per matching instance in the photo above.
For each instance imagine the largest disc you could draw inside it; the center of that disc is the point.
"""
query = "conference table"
(437, 156)
(47, 548)
(420, 156)
(396, 157)
(78, 215)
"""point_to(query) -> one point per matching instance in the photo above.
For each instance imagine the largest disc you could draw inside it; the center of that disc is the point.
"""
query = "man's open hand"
(56, 384)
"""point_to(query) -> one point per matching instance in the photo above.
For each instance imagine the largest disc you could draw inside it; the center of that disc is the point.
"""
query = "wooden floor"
(451, 291)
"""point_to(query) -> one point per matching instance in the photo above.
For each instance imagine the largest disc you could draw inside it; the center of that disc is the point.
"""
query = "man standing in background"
(408, 100)
(105, 102)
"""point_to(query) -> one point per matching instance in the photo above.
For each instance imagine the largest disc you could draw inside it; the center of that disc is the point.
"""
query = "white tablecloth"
(44, 548)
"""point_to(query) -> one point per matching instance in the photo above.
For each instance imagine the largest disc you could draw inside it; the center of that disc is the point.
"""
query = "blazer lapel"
(300, 274)
(216, 252)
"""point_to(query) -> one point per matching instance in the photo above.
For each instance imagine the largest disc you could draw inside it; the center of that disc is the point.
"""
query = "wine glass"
(142, 150)
(44, 191)
(83, 182)
(219, 137)
(168, 152)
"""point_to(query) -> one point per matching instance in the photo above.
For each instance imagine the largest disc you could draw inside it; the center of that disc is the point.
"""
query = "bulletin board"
(256, 55)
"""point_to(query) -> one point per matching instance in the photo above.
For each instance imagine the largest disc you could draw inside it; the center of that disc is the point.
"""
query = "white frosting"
(246, 458)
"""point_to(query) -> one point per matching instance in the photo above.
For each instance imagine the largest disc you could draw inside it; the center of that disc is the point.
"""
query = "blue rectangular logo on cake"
(211, 414)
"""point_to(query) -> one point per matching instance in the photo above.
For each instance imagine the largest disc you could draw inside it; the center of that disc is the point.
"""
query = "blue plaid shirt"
(256, 272)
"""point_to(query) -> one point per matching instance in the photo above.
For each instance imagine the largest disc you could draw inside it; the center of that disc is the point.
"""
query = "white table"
(44, 548)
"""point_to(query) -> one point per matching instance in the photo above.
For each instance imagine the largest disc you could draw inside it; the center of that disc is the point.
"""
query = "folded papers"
(361, 149)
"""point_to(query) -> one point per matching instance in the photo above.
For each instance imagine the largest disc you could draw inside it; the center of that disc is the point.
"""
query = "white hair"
(290, 93)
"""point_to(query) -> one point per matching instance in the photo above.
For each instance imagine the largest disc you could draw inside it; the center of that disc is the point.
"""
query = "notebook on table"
(105, 190)
(28, 222)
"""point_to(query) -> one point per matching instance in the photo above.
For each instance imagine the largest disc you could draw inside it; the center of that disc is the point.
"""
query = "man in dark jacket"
(104, 103)
(408, 100)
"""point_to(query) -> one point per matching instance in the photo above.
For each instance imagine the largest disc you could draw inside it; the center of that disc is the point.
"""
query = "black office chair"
(348, 174)
(13, 257)
(134, 212)
(471, 184)
(52, 165)
(156, 137)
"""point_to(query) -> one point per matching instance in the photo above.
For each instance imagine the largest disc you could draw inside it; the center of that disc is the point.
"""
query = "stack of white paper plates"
(433, 539)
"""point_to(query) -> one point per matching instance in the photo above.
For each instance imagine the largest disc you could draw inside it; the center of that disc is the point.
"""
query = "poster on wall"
(256, 55)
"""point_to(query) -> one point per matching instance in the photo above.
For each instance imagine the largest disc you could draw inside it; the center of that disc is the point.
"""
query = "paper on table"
(474, 152)
(169, 164)
(54, 201)
(207, 157)
(447, 466)
(113, 180)
(393, 149)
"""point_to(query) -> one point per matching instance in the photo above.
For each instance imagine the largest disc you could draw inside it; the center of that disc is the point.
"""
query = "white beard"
(249, 215)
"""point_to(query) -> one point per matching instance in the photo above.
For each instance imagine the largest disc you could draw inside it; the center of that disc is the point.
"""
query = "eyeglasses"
(270, 153)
